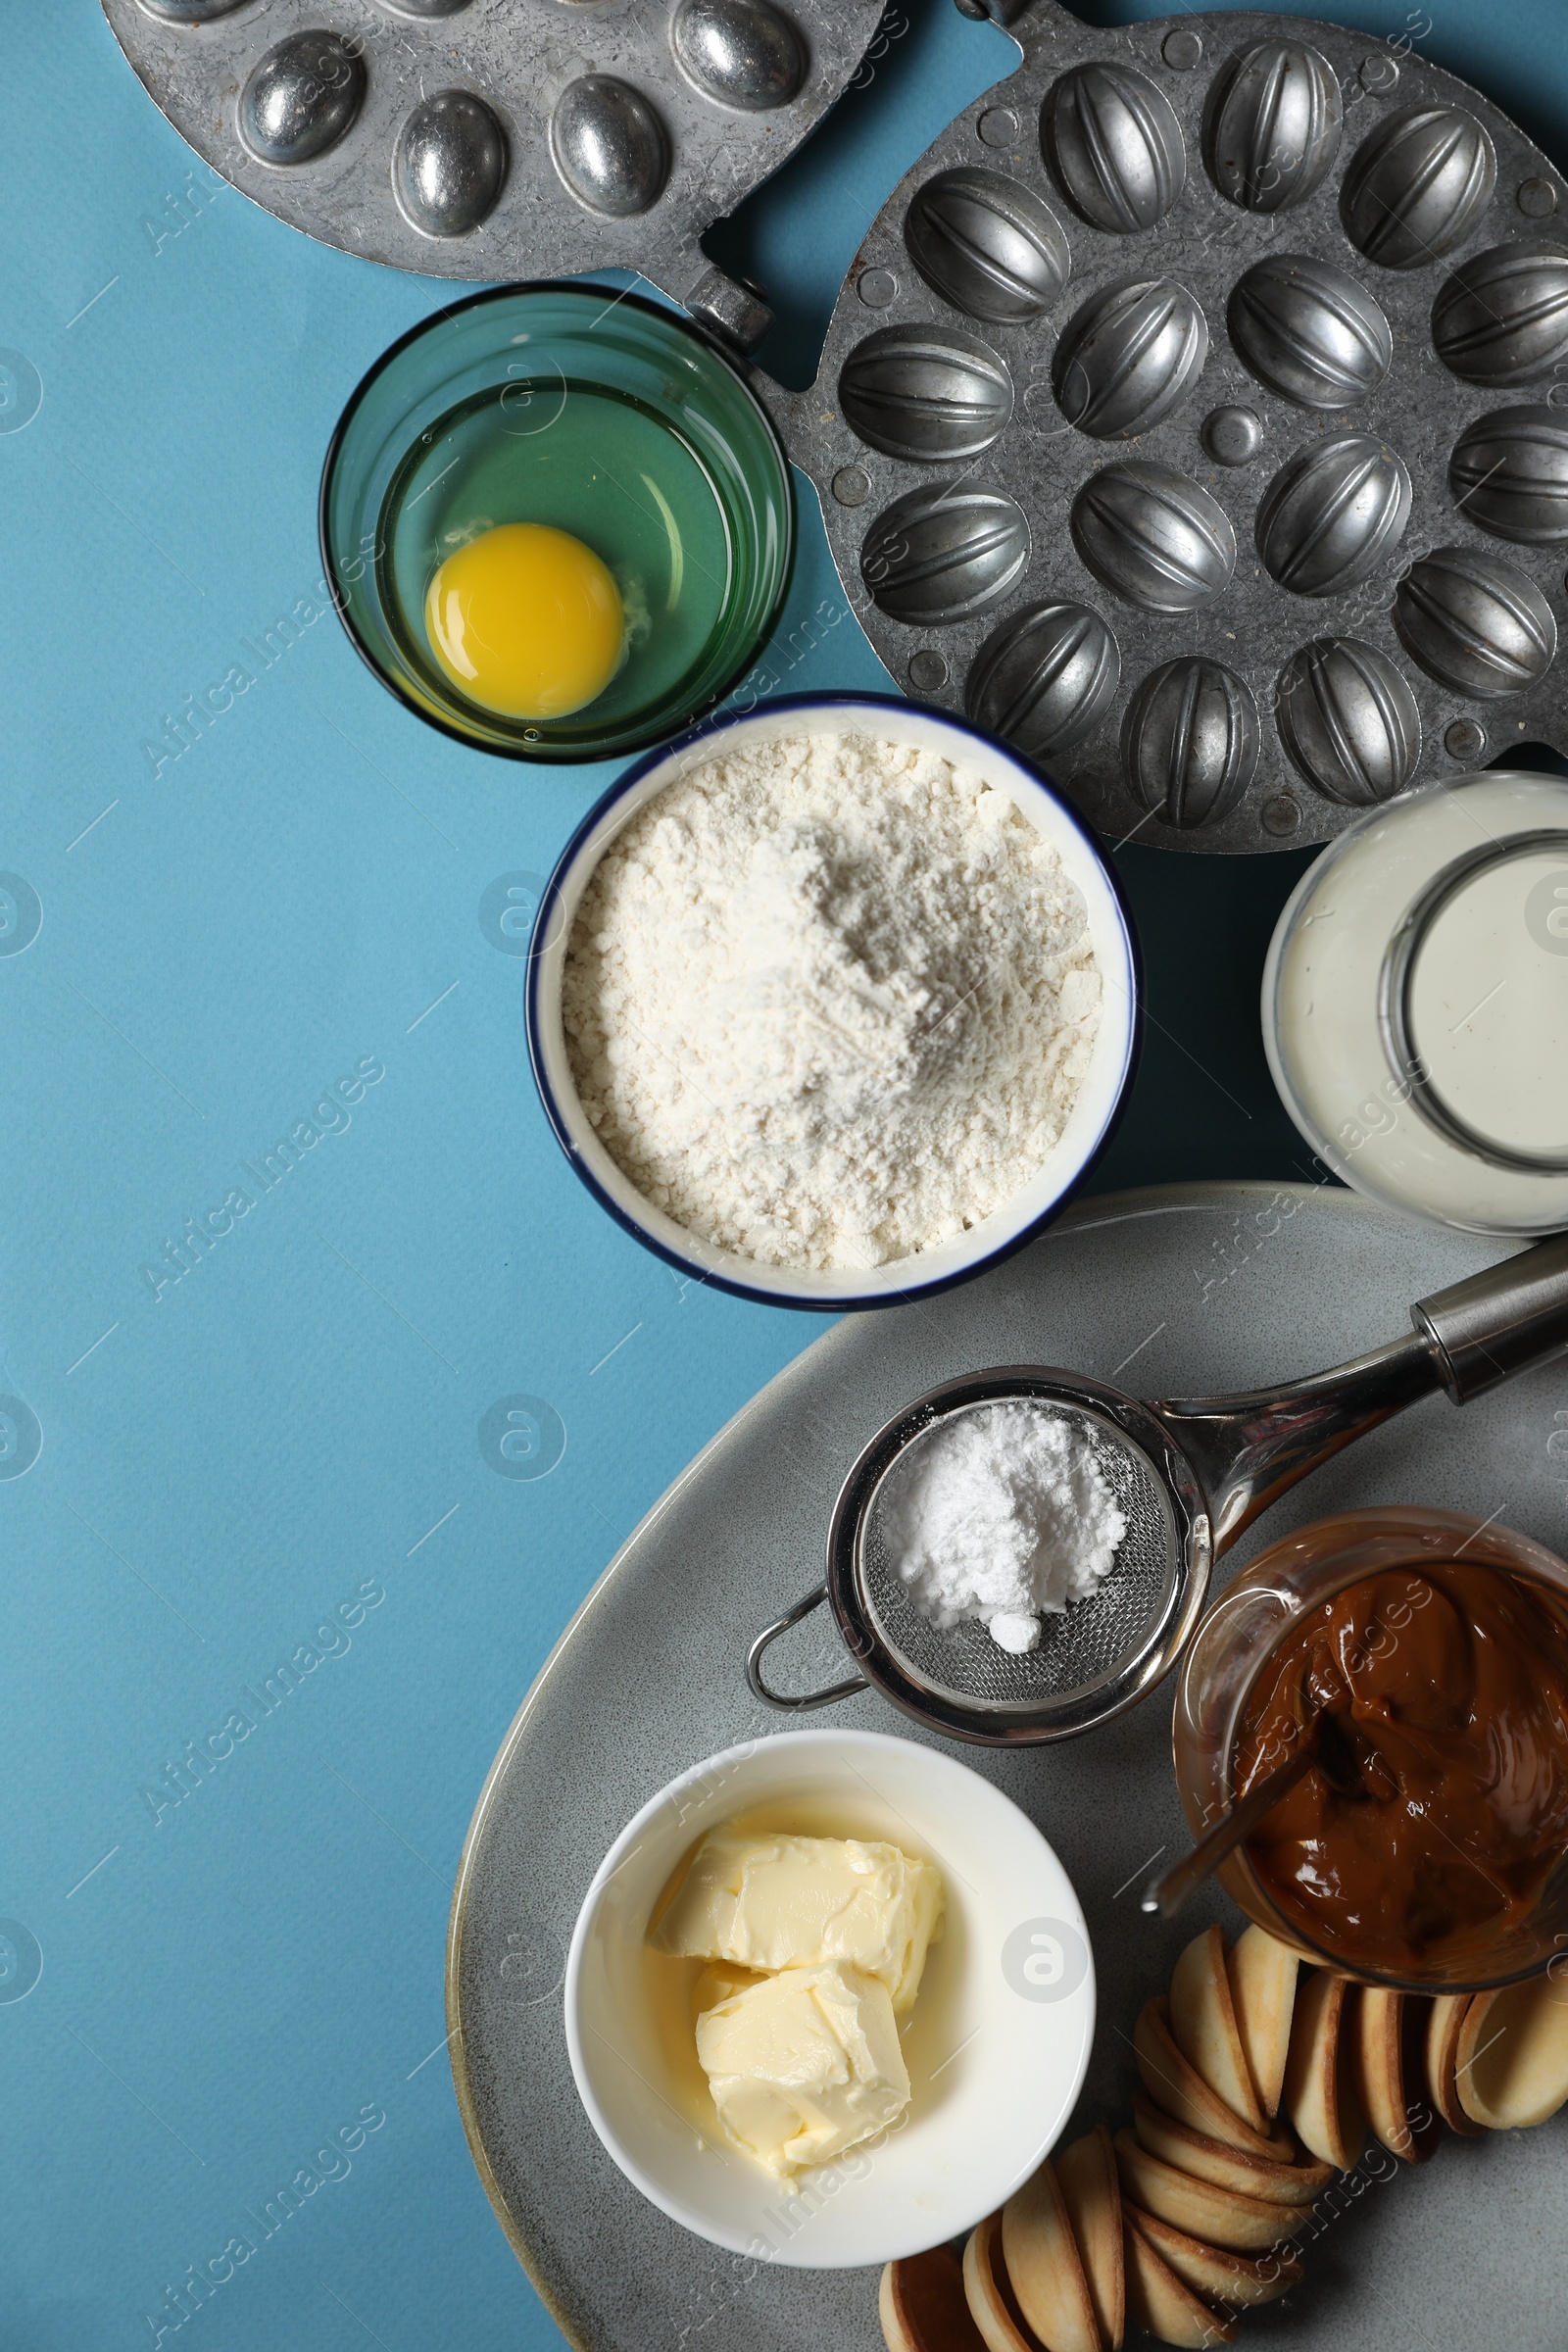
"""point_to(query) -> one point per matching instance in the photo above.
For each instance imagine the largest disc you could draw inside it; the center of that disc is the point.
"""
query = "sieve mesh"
(1077, 1650)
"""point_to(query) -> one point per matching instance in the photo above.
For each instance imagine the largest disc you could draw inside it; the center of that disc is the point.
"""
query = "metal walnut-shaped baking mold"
(925, 392)
(1349, 722)
(1154, 536)
(1044, 678)
(1275, 121)
(1128, 358)
(943, 554)
(1189, 742)
(1310, 333)
(989, 248)
(1509, 473)
(1114, 147)
(1417, 187)
(1475, 622)
(1193, 417)
(1329, 518)
(1502, 319)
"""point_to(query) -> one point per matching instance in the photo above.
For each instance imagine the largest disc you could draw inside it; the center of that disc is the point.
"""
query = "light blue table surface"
(274, 1458)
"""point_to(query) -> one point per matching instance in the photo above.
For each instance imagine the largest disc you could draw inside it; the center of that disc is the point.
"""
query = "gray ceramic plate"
(1222, 1286)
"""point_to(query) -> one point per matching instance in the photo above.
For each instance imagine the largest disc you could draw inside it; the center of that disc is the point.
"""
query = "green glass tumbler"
(603, 414)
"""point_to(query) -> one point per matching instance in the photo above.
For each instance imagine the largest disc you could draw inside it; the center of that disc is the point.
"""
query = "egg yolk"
(527, 620)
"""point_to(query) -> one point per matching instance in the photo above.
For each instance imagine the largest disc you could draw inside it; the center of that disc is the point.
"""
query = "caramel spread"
(1435, 1702)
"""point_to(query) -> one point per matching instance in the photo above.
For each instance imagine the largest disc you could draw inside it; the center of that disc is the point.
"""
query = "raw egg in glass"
(526, 620)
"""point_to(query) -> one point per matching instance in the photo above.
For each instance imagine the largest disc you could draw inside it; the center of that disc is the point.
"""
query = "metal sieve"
(1189, 1474)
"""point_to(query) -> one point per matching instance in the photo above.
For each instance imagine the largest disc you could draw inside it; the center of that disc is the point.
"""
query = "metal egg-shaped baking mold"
(301, 98)
(190, 12)
(740, 53)
(610, 146)
(1324, 389)
(449, 164)
(720, 92)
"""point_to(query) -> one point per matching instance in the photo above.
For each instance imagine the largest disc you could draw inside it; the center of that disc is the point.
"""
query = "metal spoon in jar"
(1324, 1746)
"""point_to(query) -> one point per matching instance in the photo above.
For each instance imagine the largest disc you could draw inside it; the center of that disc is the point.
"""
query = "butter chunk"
(804, 2065)
(779, 1902)
(720, 1982)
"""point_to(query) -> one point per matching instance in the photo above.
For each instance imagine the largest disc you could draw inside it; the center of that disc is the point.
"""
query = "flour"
(1003, 1514)
(828, 1001)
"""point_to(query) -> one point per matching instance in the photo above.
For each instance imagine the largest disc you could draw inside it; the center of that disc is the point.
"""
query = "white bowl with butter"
(993, 2045)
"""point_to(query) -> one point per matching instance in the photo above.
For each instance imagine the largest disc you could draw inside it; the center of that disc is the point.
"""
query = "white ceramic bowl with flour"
(868, 1012)
(997, 2045)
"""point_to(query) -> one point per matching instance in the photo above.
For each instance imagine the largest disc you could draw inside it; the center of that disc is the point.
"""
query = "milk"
(1425, 1055)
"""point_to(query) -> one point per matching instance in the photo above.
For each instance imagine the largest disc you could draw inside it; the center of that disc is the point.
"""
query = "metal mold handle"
(731, 308)
(1005, 13)
(1248, 1449)
(809, 1698)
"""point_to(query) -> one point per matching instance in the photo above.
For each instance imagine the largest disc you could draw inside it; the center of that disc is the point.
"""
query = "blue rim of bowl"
(551, 898)
(681, 322)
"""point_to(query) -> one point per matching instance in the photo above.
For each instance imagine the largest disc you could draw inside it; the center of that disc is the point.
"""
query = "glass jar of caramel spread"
(1418, 1661)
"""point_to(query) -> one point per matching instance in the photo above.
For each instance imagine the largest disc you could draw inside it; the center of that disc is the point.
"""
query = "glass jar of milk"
(1416, 1004)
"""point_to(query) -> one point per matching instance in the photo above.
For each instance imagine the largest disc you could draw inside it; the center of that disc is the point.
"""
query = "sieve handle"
(1499, 1321)
(764, 1641)
(1248, 1449)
